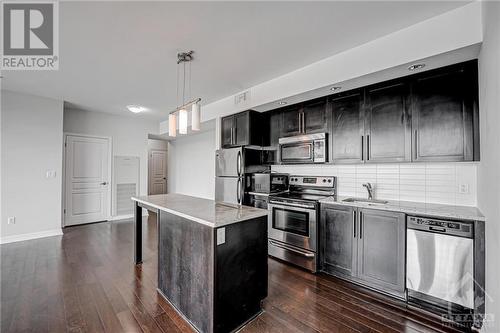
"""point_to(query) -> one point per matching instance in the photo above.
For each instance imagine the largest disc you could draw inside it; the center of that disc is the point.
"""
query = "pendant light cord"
(184, 84)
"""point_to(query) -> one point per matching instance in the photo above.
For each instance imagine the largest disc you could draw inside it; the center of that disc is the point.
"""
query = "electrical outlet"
(463, 188)
(11, 220)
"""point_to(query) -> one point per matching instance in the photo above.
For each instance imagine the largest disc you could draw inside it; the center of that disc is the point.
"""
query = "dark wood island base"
(214, 275)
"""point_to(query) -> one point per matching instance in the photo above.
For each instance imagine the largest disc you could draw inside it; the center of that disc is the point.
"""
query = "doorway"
(87, 188)
(157, 167)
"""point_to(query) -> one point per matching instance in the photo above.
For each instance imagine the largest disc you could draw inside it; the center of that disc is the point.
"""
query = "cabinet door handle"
(368, 147)
(300, 122)
(353, 224)
(360, 225)
(416, 144)
(303, 122)
(362, 147)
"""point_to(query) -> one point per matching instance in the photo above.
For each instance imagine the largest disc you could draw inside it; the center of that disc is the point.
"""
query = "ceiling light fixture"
(415, 67)
(195, 104)
(337, 88)
(282, 103)
(136, 108)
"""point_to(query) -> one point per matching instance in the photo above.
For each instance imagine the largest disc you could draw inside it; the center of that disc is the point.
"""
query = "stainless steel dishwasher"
(440, 264)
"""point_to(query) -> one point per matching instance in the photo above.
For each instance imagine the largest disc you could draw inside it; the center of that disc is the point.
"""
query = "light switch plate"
(221, 236)
(11, 220)
(50, 174)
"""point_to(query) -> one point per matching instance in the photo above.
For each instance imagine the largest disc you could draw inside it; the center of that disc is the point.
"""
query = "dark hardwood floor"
(85, 281)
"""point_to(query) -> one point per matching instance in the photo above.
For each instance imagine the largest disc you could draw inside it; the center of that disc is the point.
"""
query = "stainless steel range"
(293, 219)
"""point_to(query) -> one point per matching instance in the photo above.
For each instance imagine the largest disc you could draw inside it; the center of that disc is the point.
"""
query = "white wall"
(489, 168)
(191, 165)
(420, 182)
(129, 134)
(32, 144)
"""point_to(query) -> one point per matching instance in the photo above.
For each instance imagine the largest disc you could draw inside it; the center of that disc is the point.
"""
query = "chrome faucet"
(369, 188)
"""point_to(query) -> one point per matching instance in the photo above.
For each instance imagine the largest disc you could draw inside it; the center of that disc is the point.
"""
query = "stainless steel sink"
(368, 201)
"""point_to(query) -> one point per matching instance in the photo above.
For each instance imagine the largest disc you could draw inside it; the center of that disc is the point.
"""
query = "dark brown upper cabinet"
(387, 123)
(243, 129)
(315, 116)
(291, 121)
(444, 115)
(347, 134)
(305, 118)
(274, 128)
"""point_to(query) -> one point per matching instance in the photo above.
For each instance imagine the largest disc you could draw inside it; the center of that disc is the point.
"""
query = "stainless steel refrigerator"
(231, 165)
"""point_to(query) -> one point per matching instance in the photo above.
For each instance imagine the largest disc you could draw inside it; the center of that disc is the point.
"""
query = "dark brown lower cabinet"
(381, 249)
(365, 246)
(216, 285)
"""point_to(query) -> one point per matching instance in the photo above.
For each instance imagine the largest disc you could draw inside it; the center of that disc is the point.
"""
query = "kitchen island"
(212, 258)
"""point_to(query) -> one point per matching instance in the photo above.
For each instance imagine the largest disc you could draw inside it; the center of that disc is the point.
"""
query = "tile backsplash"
(446, 183)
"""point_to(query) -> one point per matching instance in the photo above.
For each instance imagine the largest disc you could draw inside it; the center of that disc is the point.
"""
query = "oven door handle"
(286, 205)
(289, 248)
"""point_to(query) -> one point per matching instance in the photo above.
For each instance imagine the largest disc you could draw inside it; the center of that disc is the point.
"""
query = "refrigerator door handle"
(238, 163)
(238, 191)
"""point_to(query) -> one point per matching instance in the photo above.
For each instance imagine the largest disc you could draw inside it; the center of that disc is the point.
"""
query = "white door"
(87, 188)
(157, 172)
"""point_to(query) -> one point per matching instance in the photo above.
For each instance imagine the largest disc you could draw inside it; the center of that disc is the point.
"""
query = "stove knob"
(324, 180)
(329, 180)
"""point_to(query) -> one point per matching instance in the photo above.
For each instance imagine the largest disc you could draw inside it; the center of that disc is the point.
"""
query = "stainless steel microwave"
(310, 148)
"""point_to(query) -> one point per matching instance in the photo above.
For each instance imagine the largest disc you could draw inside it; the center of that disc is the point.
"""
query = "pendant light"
(183, 121)
(195, 104)
(195, 117)
(172, 124)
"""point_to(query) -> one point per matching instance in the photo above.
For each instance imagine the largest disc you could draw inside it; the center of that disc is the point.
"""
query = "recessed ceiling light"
(136, 108)
(414, 67)
(335, 88)
(282, 103)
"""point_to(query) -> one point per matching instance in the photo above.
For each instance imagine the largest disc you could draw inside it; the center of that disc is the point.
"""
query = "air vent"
(124, 206)
(126, 184)
(241, 98)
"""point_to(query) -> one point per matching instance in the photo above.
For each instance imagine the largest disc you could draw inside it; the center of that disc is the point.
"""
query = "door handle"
(104, 183)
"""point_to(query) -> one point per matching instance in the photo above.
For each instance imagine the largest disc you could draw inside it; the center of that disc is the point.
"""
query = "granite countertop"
(415, 208)
(208, 212)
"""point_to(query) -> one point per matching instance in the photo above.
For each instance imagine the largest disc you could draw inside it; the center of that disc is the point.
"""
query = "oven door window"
(292, 221)
(302, 152)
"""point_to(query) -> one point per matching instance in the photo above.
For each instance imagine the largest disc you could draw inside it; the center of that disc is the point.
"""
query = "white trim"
(127, 216)
(110, 171)
(29, 236)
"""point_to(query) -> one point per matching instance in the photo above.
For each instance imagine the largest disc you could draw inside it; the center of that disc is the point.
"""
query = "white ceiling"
(118, 53)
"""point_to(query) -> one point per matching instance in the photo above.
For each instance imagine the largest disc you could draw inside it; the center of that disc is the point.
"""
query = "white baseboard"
(127, 216)
(29, 236)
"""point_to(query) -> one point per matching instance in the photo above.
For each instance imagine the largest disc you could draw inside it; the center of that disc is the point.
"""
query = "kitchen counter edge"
(218, 219)
(415, 208)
